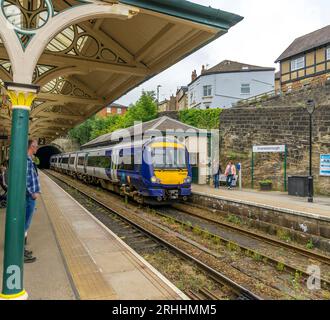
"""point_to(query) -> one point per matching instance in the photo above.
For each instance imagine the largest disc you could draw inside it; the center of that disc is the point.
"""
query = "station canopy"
(97, 56)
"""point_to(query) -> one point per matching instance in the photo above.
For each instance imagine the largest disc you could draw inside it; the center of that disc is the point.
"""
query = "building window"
(245, 88)
(297, 64)
(328, 53)
(108, 109)
(119, 111)
(207, 91)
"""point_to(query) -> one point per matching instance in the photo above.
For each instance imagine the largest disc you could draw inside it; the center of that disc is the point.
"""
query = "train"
(153, 171)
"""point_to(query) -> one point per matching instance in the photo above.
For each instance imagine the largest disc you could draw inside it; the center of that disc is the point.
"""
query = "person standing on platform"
(3, 176)
(216, 176)
(230, 174)
(32, 193)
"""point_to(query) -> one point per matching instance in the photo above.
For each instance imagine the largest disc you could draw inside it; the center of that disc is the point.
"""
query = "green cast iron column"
(12, 285)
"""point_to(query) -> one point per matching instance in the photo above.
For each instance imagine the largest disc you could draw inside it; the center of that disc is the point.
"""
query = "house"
(227, 83)
(278, 81)
(182, 98)
(112, 109)
(306, 60)
(167, 105)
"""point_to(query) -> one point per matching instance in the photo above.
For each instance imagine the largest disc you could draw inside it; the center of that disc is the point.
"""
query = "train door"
(98, 165)
(114, 165)
(85, 163)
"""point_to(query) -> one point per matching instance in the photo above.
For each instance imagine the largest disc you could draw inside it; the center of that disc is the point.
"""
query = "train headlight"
(155, 180)
(187, 180)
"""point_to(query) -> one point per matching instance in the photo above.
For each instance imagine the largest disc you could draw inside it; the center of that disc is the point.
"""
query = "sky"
(268, 28)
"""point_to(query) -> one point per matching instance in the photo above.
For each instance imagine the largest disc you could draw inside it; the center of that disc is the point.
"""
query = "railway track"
(140, 238)
(263, 237)
(184, 211)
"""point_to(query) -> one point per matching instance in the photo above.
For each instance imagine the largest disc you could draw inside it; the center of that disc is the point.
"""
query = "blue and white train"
(152, 171)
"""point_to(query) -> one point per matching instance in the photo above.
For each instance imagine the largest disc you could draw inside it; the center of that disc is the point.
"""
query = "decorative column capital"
(21, 95)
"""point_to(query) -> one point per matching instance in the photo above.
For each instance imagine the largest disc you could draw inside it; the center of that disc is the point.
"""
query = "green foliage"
(234, 219)
(280, 266)
(144, 109)
(82, 133)
(236, 156)
(310, 244)
(265, 182)
(203, 119)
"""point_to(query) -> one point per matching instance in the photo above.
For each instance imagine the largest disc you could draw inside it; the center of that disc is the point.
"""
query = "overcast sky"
(268, 28)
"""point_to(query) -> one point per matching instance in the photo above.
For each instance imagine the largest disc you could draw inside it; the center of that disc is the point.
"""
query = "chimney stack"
(203, 69)
(194, 75)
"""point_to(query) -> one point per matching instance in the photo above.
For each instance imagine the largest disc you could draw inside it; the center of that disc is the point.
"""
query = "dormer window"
(298, 64)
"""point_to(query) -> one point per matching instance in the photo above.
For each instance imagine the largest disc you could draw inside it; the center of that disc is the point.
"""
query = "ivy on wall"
(203, 119)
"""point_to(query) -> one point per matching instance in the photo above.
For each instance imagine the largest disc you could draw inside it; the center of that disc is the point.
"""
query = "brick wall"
(241, 128)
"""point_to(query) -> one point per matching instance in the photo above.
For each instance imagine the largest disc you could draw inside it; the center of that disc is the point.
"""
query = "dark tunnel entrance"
(44, 153)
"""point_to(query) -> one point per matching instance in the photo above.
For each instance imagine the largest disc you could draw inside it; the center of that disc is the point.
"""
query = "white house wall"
(226, 88)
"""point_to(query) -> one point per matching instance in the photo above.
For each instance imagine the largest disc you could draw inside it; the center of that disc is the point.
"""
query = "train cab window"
(169, 158)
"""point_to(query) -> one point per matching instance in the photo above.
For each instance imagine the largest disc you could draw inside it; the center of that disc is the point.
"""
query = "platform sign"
(263, 149)
(325, 165)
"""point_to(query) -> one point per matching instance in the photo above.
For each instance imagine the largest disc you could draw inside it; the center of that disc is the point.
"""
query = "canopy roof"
(93, 62)
(162, 125)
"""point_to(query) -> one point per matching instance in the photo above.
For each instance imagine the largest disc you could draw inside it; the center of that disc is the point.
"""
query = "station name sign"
(325, 165)
(262, 149)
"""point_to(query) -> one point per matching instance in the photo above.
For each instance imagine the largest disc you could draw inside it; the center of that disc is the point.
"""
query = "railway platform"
(79, 258)
(279, 201)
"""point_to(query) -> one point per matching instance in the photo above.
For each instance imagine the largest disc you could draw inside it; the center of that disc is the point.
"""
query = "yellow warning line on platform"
(86, 276)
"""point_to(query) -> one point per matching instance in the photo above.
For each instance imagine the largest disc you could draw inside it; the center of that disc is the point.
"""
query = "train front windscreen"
(169, 158)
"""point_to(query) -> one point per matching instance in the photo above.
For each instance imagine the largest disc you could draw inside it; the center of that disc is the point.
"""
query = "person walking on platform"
(230, 174)
(32, 192)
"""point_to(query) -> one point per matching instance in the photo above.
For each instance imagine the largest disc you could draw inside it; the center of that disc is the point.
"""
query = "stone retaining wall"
(301, 228)
(241, 128)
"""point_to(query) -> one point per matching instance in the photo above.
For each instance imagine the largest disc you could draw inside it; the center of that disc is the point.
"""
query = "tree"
(82, 133)
(144, 109)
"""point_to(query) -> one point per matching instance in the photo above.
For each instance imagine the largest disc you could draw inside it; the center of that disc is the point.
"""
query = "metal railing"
(259, 98)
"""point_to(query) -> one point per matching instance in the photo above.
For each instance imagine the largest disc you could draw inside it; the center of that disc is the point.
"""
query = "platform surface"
(277, 200)
(79, 258)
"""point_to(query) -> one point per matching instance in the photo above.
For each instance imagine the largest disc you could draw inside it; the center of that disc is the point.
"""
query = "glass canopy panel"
(62, 41)
(5, 64)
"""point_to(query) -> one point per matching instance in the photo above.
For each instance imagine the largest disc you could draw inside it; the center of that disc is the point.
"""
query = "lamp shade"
(310, 106)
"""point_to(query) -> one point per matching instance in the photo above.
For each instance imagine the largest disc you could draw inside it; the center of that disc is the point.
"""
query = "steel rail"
(307, 253)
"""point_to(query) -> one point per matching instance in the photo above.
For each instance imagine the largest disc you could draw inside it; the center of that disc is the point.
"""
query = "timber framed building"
(306, 61)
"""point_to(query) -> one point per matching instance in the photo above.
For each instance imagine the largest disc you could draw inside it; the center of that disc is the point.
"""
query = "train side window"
(104, 162)
(81, 161)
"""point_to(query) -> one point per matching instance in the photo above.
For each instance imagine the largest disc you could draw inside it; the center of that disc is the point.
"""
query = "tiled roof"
(307, 42)
(228, 66)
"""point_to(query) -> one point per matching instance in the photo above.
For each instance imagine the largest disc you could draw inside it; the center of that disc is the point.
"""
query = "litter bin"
(298, 186)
